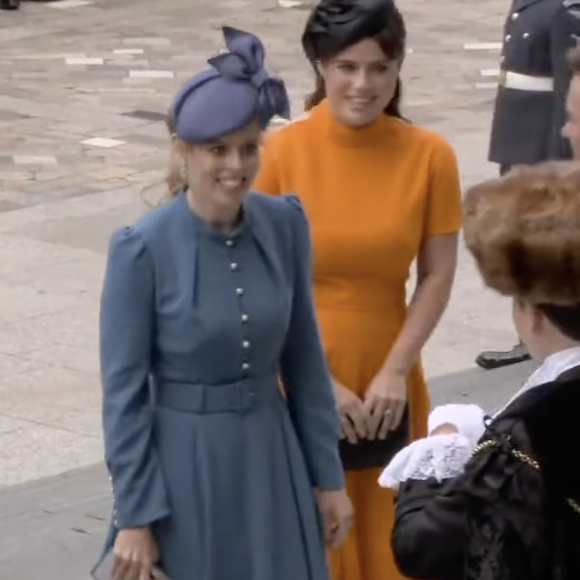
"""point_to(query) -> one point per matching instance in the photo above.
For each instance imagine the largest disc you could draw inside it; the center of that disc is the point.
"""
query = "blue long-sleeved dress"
(197, 328)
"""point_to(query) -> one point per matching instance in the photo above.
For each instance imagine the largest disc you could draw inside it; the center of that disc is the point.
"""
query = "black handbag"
(368, 453)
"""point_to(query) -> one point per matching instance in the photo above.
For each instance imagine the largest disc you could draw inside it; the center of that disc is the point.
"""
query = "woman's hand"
(135, 555)
(384, 403)
(351, 412)
(336, 513)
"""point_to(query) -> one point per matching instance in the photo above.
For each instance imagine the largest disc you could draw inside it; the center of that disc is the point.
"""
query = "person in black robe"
(499, 498)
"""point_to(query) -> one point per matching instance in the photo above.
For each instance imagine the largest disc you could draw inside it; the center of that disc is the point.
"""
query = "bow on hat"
(244, 61)
(232, 92)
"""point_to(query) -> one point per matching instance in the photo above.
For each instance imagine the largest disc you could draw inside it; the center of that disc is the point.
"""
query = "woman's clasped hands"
(379, 412)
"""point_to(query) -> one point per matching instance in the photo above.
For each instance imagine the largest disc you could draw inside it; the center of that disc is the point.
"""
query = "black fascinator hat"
(334, 25)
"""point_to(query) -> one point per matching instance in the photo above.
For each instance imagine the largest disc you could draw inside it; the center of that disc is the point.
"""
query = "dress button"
(234, 266)
(246, 344)
(229, 243)
(526, 34)
(245, 318)
(239, 291)
(515, 15)
(508, 37)
(246, 366)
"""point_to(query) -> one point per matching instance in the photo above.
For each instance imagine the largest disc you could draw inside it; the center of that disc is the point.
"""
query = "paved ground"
(84, 86)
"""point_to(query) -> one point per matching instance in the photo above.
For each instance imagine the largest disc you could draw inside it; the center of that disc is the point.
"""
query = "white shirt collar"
(552, 367)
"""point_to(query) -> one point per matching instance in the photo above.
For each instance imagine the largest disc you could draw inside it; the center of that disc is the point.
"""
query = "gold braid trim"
(519, 455)
(523, 458)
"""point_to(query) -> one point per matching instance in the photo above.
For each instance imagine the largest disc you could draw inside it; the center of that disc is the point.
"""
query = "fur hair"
(523, 230)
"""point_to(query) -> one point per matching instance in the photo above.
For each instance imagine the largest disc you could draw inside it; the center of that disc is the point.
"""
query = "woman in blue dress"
(206, 308)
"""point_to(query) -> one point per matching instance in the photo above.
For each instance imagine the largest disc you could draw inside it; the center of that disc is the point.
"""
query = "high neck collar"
(368, 136)
(202, 227)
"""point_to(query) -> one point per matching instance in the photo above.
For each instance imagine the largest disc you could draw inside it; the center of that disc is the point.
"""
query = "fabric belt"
(237, 397)
(520, 82)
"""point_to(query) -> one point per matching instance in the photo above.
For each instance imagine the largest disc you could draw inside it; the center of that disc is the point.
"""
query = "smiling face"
(220, 173)
(360, 82)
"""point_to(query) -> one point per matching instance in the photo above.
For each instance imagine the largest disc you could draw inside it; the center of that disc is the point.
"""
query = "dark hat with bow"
(334, 25)
(235, 91)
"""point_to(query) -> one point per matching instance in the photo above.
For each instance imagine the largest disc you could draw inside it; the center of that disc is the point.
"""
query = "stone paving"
(83, 89)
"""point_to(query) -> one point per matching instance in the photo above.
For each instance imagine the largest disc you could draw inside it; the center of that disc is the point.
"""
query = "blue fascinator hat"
(232, 93)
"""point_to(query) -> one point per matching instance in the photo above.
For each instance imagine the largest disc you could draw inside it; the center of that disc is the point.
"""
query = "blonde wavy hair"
(175, 178)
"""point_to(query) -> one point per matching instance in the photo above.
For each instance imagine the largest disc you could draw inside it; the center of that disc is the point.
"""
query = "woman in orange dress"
(379, 193)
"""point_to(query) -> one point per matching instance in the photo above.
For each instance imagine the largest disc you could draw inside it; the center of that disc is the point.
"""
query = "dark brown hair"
(392, 40)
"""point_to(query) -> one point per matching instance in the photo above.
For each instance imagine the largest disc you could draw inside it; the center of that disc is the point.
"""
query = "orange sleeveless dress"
(372, 196)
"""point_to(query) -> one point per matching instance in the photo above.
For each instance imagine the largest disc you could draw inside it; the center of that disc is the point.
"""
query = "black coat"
(526, 125)
(514, 514)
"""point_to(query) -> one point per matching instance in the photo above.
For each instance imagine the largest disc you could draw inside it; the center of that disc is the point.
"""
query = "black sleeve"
(428, 538)
(564, 35)
(489, 517)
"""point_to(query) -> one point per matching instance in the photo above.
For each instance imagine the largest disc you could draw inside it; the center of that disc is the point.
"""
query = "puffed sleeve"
(304, 370)
(268, 179)
(488, 518)
(444, 210)
(127, 324)
(564, 35)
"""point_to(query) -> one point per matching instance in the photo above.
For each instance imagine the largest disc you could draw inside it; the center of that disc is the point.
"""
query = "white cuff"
(439, 456)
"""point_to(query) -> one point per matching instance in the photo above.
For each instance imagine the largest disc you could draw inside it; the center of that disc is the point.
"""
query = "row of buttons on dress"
(115, 521)
(234, 266)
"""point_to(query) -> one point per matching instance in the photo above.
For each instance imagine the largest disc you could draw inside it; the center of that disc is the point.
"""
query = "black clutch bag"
(369, 453)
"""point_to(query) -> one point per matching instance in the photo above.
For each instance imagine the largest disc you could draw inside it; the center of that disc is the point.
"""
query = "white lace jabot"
(444, 456)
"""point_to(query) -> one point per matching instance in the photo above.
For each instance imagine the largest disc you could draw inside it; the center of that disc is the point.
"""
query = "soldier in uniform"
(530, 108)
